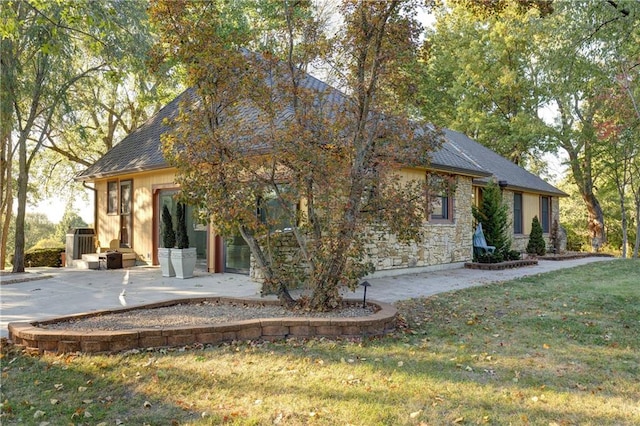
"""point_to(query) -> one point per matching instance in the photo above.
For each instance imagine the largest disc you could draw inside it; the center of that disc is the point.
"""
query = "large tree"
(56, 55)
(480, 75)
(495, 68)
(318, 164)
(589, 45)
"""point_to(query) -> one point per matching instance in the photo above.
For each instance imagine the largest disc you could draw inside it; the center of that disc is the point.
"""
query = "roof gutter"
(86, 178)
(456, 170)
(558, 193)
(95, 205)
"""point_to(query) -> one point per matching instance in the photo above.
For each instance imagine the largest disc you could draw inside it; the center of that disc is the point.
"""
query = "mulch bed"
(502, 265)
(572, 255)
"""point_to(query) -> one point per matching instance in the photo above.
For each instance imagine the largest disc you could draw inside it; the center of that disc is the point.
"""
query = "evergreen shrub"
(536, 245)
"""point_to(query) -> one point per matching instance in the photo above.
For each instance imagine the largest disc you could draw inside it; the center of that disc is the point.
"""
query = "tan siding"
(530, 208)
(143, 230)
(407, 175)
(108, 224)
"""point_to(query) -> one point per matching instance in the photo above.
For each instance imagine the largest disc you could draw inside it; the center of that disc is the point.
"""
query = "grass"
(555, 349)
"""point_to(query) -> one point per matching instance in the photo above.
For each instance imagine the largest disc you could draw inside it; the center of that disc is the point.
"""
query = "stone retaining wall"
(40, 340)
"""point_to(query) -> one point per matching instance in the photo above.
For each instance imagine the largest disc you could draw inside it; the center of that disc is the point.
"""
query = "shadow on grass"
(559, 348)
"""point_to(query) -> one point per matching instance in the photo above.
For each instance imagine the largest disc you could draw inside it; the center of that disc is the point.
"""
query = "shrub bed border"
(36, 339)
(510, 264)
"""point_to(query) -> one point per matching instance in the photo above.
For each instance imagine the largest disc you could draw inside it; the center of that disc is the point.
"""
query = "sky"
(54, 208)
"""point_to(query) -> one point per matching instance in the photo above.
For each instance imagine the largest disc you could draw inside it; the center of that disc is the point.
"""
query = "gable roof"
(141, 150)
(516, 177)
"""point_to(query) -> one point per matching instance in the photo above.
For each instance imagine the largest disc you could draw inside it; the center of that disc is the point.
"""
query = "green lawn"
(557, 349)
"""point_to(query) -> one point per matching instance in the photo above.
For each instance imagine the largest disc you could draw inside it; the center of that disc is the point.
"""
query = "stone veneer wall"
(443, 243)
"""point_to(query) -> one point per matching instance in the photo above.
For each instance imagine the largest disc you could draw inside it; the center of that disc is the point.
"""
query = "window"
(125, 197)
(112, 197)
(272, 212)
(545, 214)
(440, 199)
(517, 213)
(120, 202)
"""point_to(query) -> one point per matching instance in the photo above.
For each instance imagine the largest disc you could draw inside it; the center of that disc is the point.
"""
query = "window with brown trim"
(112, 197)
(439, 198)
(545, 214)
(517, 213)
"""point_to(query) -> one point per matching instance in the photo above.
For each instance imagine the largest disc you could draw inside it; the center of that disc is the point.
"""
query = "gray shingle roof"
(141, 150)
(501, 168)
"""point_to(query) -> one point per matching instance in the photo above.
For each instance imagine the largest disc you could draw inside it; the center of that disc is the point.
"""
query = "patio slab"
(56, 292)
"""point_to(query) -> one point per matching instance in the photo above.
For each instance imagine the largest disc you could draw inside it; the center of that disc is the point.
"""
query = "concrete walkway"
(52, 292)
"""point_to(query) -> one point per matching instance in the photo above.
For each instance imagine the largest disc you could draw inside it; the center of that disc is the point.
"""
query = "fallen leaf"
(58, 386)
(87, 415)
(459, 420)
(54, 401)
(39, 414)
(415, 414)
(146, 404)
(82, 388)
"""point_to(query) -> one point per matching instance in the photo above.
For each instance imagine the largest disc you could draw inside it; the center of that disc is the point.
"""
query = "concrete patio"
(43, 293)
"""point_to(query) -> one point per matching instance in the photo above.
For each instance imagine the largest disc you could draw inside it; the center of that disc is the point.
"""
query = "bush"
(495, 257)
(182, 239)
(512, 255)
(43, 257)
(494, 216)
(168, 234)
(47, 243)
(536, 244)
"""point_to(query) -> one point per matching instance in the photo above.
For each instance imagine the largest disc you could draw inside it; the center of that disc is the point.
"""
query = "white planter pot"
(164, 258)
(184, 261)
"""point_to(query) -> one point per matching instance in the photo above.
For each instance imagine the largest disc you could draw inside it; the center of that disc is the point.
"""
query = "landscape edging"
(39, 340)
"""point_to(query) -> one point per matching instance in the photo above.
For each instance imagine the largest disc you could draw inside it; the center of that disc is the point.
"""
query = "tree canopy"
(259, 132)
(67, 69)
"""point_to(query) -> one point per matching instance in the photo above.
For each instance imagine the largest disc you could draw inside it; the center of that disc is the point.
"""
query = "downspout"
(95, 206)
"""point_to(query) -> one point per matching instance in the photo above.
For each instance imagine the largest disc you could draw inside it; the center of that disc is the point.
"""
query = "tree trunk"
(637, 242)
(23, 185)
(623, 217)
(7, 89)
(596, 221)
(265, 267)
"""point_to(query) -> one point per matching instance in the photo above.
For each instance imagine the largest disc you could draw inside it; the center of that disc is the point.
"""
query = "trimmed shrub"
(168, 234)
(43, 257)
(182, 238)
(536, 245)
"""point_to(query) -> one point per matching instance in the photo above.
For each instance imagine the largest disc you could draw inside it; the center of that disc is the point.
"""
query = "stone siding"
(443, 243)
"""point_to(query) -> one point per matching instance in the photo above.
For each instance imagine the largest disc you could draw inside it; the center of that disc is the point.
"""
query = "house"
(133, 181)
